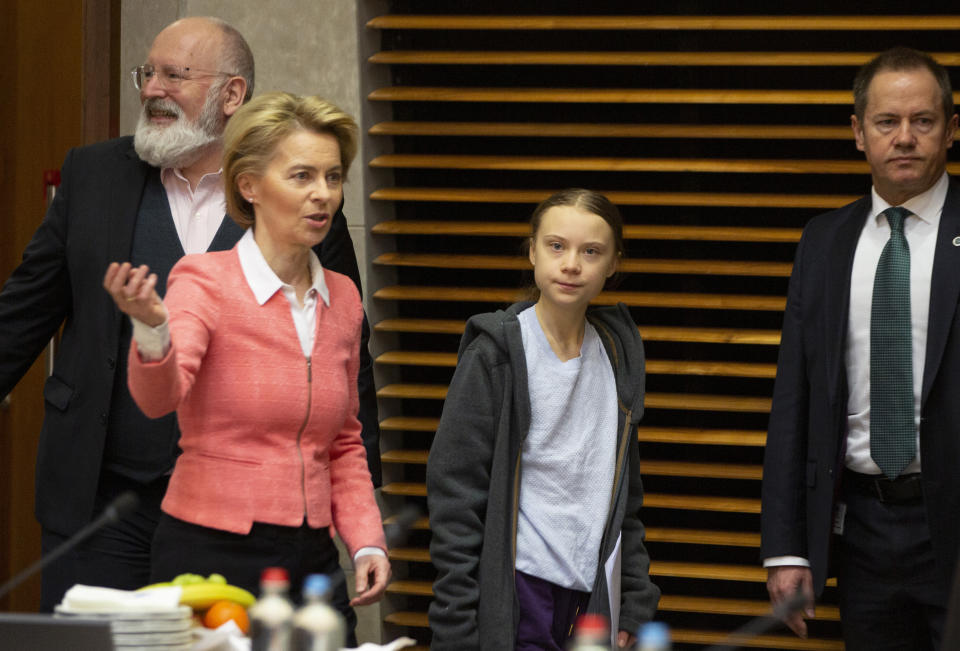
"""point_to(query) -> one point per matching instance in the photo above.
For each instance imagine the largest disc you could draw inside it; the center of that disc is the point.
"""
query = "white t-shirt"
(568, 458)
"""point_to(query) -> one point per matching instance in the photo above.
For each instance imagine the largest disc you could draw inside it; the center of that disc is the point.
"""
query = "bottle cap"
(592, 624)
(274, 576)
(316, 585)
(654, 634)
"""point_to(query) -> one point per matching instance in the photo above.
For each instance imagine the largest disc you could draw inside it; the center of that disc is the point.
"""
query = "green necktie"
(892, 433)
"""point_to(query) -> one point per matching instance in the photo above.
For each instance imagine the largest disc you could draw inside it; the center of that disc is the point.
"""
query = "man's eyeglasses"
(170, 76)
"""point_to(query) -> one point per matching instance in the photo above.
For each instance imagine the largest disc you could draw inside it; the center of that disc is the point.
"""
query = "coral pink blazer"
(267, 435)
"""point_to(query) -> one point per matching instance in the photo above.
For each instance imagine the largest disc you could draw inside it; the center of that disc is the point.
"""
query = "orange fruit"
(223, 611)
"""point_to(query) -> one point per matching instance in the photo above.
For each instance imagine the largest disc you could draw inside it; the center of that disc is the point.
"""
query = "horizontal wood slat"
(409, 424)
(701, 637)
(753, 574)
(417, 358)
(410, 554)
(407, 618)
(590, 130)
(629, 265)
(701, 470)
(697, 402)
(697, 436)
(647, 466)
(405, 456)
(609, 164)
(581, 58)
(413, 391)
(654, 366)
(712, 199)
(422, 524)
(707, 23)
(703, 537)
(420, 588)
(650, 333)
(610, 95)
(723, 606)
(702, 503)
(426, 326)
(636, 299)
(630, 232)
(680, 401)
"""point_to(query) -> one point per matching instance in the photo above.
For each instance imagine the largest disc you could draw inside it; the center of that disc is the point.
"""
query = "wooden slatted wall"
(719, 136)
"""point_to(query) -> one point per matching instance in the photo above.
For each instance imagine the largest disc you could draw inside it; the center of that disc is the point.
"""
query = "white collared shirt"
(921, 232)
(265, 283)
(197, 214)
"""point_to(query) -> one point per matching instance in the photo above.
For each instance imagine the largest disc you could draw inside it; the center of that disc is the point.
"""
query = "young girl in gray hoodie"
(533, 479)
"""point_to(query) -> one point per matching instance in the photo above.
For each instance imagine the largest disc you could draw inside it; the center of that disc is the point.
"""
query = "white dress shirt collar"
(927, 205)
(261, 278)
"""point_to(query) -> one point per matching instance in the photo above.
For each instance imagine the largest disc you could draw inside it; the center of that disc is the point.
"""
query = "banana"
(200, 593)
(201, 596)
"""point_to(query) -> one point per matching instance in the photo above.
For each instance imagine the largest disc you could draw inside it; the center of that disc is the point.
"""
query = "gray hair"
(237, 57)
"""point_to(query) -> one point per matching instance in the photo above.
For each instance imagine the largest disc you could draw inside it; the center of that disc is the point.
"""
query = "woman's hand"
(133, 292)
(373, 572)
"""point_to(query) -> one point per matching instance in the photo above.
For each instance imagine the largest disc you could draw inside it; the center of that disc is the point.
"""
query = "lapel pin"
(956, 240)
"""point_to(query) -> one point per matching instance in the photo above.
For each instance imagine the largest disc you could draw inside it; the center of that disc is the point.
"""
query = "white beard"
(181, 143)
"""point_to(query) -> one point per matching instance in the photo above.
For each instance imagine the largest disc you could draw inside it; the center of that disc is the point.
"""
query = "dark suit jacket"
(805, 441)
(88, 225)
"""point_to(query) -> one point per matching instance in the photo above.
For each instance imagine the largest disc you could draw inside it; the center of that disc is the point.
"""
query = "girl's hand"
(133, 292)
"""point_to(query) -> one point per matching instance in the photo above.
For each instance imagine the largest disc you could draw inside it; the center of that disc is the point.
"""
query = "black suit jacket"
(805, 439)
(88, 225)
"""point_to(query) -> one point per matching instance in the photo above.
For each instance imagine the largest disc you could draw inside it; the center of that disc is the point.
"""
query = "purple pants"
(547, 613)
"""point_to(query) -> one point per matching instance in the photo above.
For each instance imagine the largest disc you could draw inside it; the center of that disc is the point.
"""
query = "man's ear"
(857, 131)
(951, 130)
(233, 94)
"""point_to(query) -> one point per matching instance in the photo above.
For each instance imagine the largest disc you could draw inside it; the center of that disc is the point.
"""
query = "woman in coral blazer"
(256, 349)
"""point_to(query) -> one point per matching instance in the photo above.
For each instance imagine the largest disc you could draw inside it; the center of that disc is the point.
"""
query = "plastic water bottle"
(317, 626)
(592, 633)
(272, 616)
(653, 636)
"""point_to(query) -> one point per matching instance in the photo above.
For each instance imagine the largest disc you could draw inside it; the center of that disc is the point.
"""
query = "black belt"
(905, 488)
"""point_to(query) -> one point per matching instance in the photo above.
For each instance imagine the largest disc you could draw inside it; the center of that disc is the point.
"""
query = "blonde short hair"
(257, 128)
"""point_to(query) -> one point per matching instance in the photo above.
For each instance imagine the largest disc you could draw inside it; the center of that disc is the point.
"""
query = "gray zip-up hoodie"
(473, 482)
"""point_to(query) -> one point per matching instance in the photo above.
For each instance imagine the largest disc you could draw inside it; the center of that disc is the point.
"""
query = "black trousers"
(891, 595)
(180, 547)
(116, 556)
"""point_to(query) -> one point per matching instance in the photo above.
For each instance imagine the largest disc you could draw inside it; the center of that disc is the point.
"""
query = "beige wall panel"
(140, 20)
